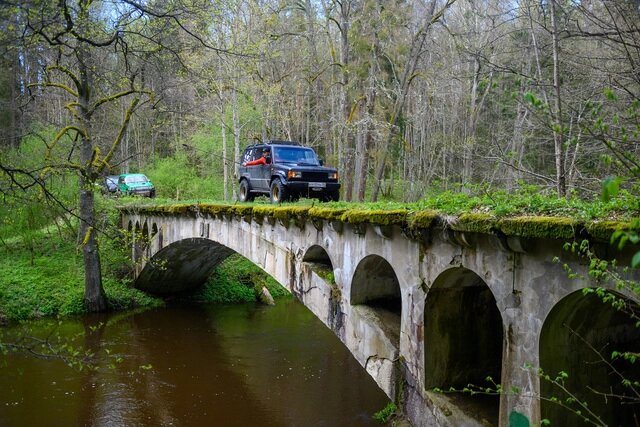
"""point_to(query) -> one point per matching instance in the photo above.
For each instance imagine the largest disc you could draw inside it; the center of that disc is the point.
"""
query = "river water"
(191, 365)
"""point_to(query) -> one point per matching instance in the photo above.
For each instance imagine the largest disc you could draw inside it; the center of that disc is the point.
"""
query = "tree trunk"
(225, 156)
(558, 132)
(94, 296)
(236, 134)
(346, 145)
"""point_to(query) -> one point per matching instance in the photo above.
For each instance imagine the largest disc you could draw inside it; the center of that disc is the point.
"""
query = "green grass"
(50, 282)
(384, 415)
(525, 201)
(237, 280)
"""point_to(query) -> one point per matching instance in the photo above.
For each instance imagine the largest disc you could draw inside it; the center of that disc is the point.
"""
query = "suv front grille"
(314, 176)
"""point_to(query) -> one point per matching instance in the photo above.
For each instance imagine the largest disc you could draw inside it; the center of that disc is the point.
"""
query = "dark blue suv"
(285, 170)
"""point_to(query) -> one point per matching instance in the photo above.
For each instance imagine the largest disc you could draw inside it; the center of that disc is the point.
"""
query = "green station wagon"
(135, 184)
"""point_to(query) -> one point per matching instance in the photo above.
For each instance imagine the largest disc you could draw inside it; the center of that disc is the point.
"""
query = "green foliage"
(570, 400)
(52, 283)
(27, 208)
(527, 213)
(612, 282)
(44, 275)
(613, 123)
(610, 187)
(121, 296)
(175, 178)
(384, 415)
(237, 280)
(629, 236)
(195, 169)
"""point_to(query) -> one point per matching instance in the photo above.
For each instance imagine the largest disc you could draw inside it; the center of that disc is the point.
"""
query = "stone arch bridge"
(425, 302)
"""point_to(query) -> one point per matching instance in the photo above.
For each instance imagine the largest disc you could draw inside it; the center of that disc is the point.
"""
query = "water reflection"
(195, 365)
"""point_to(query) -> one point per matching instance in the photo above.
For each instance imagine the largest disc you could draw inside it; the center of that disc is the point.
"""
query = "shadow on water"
(191, 365)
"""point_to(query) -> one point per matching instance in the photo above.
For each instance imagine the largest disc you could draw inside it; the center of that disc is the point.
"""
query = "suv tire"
(245, 192)
(279, 192)
(333, 196)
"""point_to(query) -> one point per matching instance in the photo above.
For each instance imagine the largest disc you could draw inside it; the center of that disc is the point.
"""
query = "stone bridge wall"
(418, 308)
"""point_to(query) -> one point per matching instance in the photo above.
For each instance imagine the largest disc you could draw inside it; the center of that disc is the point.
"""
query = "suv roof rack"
(280, 142)
(273, 142)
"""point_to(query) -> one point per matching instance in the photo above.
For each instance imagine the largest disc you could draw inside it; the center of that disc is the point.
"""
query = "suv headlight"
(333, 175)
(294, 174)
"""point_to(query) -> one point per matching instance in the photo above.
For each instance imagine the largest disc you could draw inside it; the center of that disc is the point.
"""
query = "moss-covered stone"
(602, 230)
(543, 227)
(475, 223)
(422, 219)
(330, 214)
(217, 209)
(382, 217)
(295, 213)
(486, 223)
(242, 210)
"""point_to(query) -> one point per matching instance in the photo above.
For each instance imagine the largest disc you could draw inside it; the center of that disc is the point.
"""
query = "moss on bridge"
(526, 226)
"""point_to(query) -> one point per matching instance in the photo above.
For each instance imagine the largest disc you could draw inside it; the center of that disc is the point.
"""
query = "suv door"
(255, 175)
(263, 173)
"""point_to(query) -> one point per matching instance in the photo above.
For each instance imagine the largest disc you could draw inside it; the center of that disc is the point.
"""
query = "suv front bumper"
(311, 188)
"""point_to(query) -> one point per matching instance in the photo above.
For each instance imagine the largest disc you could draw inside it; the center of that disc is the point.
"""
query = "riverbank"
(43, 276)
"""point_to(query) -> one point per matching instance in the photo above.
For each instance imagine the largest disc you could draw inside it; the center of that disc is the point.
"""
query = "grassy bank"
(44, 276)
(47, 279)
(237, 280)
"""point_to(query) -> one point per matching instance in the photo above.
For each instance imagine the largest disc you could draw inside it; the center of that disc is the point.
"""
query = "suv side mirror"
(321, 162)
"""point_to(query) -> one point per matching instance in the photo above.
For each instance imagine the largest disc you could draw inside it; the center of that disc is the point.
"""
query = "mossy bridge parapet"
(424, 301)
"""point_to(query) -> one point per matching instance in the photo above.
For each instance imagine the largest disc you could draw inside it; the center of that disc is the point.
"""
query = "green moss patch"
(555, 227)
(382, 217)
(329, 214)
(291, 213)
(544, 227)
(422, 219)
(237, 280)
(475, 223)
(602, 230)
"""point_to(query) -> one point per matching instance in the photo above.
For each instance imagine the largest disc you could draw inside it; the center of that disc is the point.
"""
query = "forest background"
(406, 98)
(401, 96)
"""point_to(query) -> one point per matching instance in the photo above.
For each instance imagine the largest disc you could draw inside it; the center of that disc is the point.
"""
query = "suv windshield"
(299, 155)
(135, 179)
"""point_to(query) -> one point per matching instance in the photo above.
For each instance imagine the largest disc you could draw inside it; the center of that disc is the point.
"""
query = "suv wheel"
(279, 192)
(245, 192)
(333, 196)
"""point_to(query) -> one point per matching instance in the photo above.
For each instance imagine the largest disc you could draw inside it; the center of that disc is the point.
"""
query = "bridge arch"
(181, 266)
(578, 337)
(318, 255)
(463, 338)
(129, 233)
(146, 239)
(138, 245)
(375, 285)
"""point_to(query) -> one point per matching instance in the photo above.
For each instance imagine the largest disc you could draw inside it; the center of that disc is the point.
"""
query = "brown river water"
(190, 365)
